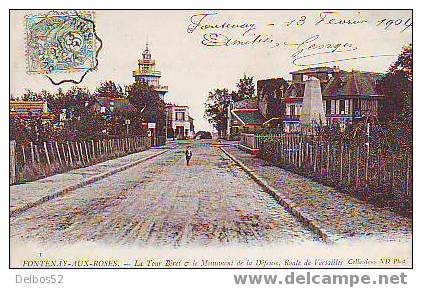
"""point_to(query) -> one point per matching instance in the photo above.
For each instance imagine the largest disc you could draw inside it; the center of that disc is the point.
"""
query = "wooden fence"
(32, 161)
(365, 170)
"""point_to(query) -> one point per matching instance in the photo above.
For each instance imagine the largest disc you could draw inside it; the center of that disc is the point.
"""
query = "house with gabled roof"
(113, 106)
(244, 116)
(351, 95)
(22, 109)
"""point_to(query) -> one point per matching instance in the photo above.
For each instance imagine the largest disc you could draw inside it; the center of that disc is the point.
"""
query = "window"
(328, 107)
(180, 116)
(342, 107)
(297, 78)
(292, 110)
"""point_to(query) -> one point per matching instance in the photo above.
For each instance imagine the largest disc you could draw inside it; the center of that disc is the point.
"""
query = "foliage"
(109, 89)
(216, 107)
(396, 86)
(397, 108)
(245, 89)
(219, 100)
(145, 99)
(76, 117)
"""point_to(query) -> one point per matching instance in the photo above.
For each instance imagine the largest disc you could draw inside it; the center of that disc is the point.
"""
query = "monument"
(313, 110)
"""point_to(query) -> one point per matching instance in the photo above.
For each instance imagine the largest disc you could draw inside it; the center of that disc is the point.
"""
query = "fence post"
(310, 153)
(321, 166)
(393, 175)
(46, 155)
(86, 152)
(315, 155)
(64, 154)
(349, 160)
(328, 161)
(12, 161)
(341, 164)
(32, 154)
(78, 151)
(37, 154)
(357, 166)
(407, 173)
(367, 163)
(24, 156)
(58, 152)
(93, 149)
(53, 158)
(70, 153)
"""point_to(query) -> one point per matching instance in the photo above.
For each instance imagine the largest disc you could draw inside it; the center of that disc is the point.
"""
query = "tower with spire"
(147, 73)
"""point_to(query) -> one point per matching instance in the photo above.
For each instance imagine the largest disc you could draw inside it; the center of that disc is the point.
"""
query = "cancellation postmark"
(61, 42)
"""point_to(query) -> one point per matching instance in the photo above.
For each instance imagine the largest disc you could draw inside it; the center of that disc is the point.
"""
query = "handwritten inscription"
(227, 33)
(389, 23)
(311, 46)
(198, 21)
(329, 18)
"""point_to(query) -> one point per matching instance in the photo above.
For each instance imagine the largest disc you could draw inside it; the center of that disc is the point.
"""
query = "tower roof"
(146, 54)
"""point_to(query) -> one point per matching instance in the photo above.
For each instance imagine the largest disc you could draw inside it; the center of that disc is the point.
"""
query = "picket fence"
(31, 161)
(362, 169)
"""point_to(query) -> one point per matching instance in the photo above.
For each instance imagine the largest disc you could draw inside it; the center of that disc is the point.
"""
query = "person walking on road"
(188, 154)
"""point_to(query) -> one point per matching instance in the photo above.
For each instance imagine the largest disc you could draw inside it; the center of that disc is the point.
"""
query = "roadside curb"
(90, 180)
(303, 217)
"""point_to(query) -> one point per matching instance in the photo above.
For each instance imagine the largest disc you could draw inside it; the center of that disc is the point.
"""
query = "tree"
(396, 86)
(147, 100)
(30, 95)
(109, 89)
(396, 110)
(245, 89)
(216, 108)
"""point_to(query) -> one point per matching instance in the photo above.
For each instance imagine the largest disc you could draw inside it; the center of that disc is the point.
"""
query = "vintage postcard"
(211, 139)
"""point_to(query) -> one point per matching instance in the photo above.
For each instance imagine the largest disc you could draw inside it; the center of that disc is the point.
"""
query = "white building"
(179, 123)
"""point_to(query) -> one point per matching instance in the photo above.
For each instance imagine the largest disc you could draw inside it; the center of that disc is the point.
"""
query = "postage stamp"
(60, 42)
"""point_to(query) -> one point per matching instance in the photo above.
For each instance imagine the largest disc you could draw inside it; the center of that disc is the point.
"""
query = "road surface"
(163, 202)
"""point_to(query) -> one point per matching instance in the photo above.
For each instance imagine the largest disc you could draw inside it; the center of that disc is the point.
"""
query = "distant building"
(346, 96)
(20, 109)
(147, 73)
(179, 123)
(350, 96)
(191, 127)
(113, 106)
(244, 117)
(118, 111)
(293, 100)
(270, 94)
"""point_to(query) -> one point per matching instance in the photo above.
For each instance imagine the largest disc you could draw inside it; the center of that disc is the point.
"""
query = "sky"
(200, 50)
